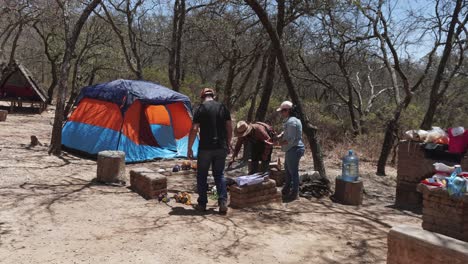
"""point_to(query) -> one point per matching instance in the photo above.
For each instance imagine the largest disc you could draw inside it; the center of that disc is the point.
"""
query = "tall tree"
(271, 65)
(456, 27)
(72, 33)
(394, 65)
(309, 129)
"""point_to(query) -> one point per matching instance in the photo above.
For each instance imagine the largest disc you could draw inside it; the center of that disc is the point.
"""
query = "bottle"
(350, 167)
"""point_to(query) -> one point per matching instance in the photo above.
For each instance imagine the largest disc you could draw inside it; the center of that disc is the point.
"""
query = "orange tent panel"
(98, 113)
(158, 115)
(136, 126)
(181, 121)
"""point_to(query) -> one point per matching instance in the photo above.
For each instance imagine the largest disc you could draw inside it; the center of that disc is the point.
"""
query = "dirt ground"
(52, 212)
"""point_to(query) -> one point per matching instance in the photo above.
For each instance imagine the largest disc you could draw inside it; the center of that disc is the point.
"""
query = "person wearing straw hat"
(213, 120)
(291, 143)
(259, 135)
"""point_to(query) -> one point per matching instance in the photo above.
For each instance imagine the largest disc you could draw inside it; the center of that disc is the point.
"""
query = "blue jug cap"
(350, 152)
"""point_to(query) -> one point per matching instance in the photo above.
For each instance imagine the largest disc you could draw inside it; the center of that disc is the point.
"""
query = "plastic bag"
(456, 186)
(416, 135)
(437, 135)
(441, 167)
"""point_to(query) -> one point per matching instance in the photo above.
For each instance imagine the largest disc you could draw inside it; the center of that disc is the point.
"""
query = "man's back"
(212, 117)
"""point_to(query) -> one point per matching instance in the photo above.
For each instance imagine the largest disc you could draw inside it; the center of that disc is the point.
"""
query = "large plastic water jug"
(350, 167)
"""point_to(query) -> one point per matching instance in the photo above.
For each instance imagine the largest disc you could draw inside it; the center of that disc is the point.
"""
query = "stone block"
(3, 115)
(415, 245)
(111, 167)
(349, 193)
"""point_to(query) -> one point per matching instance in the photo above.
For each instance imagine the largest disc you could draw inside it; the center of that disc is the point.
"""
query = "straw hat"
(242, 129)
(285, 105)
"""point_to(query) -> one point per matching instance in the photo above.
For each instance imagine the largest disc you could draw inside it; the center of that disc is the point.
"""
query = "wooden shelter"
(17, 86)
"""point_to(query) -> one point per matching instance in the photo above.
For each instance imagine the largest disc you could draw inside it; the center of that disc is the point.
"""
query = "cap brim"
(279, 109)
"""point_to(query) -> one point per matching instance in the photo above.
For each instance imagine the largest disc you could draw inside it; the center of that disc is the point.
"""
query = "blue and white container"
(350, 167)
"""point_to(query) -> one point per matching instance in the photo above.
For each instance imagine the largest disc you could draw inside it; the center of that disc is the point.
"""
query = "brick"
(245, 205)
(254, 194)
(147, 183)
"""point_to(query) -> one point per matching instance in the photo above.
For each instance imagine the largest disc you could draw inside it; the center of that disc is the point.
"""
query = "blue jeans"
(291, 164)
(217, 159)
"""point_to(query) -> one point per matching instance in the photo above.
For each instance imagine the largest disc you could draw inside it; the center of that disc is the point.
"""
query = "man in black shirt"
(213, 120)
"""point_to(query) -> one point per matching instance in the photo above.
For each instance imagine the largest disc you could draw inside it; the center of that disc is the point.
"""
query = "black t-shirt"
(212, 117)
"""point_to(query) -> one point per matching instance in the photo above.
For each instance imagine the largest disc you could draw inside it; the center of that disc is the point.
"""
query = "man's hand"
(190, 154)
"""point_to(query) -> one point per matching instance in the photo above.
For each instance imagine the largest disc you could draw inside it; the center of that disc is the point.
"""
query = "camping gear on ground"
(163, 197)
(183, 198)
(252, 179)
(458, 139)
(143, 119)
(350, 167)
(186, 165)
(176, 168)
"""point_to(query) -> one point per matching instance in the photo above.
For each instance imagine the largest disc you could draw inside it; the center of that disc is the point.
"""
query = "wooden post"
(349, 193)
(111, 167)
(3, 115)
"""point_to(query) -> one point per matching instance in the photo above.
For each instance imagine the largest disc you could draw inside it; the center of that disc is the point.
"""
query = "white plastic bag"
(441, 167)
(436, 135)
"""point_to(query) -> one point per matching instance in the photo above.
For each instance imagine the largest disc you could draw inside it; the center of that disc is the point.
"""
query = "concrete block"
(415, 245)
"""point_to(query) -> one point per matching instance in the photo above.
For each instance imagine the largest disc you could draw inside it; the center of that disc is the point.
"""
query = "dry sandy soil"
(51, 212)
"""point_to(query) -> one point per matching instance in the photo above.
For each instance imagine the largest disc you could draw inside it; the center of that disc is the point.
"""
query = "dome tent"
(143, 119)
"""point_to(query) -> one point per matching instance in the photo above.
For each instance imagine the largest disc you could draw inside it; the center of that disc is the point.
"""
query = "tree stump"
(111, 167)
(349, 193)
(3, 115)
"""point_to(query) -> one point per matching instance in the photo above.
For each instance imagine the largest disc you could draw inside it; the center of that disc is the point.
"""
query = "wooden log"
(349, 193)
(111, 167)
(3, 115)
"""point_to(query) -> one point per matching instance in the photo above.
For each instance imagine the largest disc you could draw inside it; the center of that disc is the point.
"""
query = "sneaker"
(200, 208)
(223, 207)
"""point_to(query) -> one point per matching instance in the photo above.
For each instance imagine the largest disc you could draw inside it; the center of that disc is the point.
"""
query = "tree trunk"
(229, 82)
(268, 87)
(53, 84)
(389, 139)
(70, 44)
(271, 69)
(435, 95)
(257, 89)
(309, 129)
(174, 64)
(246, 79)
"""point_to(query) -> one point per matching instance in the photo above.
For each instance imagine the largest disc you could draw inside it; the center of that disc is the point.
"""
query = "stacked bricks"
(413, 167)
(444, 214)
(415, 245)
(253, 195)
(147, 183)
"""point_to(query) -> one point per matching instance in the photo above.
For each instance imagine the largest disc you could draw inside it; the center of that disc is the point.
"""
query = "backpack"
(271, 132)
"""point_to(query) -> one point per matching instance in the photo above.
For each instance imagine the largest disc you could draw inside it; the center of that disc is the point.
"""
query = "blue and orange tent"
(143, 119)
